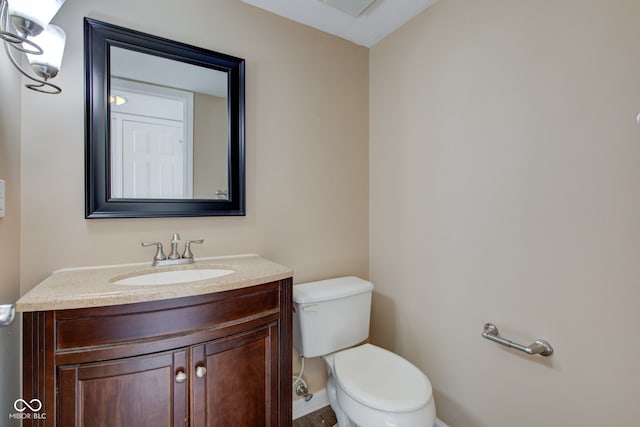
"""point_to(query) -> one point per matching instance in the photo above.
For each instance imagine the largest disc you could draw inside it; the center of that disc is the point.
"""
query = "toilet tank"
(330, 315)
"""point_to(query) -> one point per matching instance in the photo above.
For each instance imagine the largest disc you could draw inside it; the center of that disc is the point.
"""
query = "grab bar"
(541, 347)
(7, 313)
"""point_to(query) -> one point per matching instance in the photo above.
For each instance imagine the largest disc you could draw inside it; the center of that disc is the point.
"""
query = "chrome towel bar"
(541, 347)
(7, 313)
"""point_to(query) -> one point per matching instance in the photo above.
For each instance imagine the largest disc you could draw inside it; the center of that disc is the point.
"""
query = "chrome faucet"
(174, 258)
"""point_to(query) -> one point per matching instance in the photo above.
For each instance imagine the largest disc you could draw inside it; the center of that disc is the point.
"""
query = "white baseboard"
(319, 400)
(439, 423)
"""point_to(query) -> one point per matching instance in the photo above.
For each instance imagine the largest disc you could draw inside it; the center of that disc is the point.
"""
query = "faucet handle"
(159, 252)
(187, 248)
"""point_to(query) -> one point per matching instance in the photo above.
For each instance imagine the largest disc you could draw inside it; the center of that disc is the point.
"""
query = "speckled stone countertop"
(93, 286)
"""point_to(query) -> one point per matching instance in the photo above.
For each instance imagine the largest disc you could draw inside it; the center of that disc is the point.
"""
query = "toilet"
(368, 386)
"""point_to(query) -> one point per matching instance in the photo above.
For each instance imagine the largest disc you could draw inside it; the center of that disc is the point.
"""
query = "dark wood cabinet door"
(136, 391)
(239, 383)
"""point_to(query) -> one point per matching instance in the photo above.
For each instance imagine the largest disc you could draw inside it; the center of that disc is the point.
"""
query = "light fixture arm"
(40, 85)
(17, 42)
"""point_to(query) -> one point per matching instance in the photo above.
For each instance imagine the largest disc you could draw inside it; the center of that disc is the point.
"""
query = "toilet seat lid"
(381, 379)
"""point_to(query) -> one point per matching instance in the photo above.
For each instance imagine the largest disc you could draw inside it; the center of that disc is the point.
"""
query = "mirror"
(164, 127)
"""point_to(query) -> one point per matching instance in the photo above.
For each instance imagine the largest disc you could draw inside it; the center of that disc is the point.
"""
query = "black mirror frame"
(98, 38)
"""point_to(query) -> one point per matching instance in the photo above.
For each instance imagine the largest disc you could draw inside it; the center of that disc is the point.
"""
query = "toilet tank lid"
(330, 289)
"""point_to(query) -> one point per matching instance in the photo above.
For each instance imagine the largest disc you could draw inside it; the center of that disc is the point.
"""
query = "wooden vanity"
(220, 355)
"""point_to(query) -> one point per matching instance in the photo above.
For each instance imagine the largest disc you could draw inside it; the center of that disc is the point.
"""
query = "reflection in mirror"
(165, 127)
(168, 128)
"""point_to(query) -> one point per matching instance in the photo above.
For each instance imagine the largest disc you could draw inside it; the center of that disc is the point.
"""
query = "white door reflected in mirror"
(169, 129)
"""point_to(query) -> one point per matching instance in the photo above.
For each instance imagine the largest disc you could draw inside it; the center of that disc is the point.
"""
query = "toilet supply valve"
(302, 390)
(300, 384)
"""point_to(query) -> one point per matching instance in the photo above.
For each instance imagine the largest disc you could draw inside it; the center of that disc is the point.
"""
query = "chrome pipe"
(541, 347)
(7, 314)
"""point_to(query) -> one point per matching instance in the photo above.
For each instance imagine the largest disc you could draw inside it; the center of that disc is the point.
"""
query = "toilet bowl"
(368, 386)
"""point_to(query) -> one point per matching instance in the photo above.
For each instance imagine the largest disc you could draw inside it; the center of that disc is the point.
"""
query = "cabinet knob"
(201, 371)
(181, 376)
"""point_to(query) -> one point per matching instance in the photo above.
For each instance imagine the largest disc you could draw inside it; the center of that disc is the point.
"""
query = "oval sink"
(173, 277)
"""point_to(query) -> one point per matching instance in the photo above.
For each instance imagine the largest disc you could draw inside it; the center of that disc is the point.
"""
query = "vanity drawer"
(91, 328)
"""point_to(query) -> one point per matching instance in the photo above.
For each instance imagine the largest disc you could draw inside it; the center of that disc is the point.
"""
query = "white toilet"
(368, 386)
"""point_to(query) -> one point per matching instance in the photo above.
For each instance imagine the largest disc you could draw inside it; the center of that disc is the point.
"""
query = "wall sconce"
(24, 27)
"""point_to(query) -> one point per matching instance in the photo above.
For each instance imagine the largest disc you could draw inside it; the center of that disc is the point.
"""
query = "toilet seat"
(381, 379)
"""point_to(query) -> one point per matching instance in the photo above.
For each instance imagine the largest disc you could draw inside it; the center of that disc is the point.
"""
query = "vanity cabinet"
(218, 359)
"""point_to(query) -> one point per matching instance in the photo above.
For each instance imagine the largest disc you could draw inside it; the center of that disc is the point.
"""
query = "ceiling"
(375, 23)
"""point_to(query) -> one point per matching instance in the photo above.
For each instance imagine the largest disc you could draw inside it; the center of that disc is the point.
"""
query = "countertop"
(85, 287)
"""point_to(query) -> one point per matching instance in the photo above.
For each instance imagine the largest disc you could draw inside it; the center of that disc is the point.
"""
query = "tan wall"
(10, 113)
(504, 187)
(307, 145)
(298, 125)
(210, 145)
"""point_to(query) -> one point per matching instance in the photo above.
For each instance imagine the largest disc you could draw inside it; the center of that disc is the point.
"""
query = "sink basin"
(173, 277)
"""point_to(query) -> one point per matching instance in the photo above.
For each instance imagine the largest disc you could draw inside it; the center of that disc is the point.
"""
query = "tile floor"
(321, 418)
